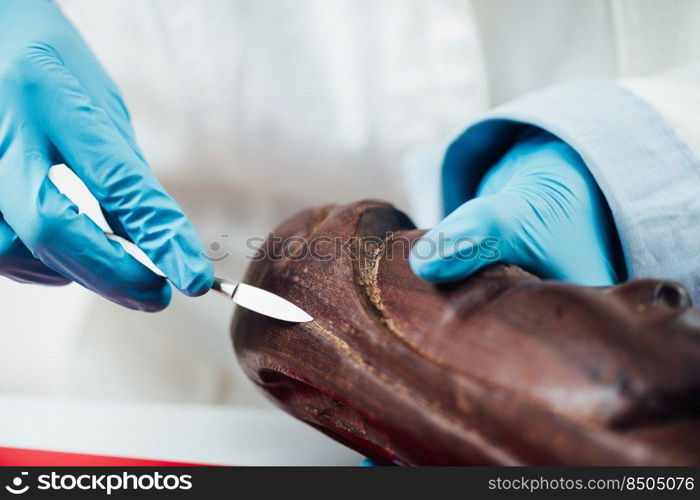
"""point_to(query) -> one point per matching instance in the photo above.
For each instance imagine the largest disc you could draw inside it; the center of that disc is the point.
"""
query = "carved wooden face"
(501, 368)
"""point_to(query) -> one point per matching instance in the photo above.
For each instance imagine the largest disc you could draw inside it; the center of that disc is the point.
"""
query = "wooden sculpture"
(499, 369)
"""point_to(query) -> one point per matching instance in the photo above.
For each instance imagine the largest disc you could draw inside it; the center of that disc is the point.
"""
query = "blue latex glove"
(538, 208)
(57, 105)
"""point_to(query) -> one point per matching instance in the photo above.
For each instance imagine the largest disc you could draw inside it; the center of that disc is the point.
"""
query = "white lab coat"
(250, 110)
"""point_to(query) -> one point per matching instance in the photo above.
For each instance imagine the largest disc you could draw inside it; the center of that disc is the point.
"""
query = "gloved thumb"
(468, 239)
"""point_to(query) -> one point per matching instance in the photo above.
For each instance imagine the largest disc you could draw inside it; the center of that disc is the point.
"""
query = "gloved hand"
(538, 208)
(57, 105)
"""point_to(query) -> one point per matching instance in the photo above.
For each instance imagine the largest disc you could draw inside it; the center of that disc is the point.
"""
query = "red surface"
(24, 457)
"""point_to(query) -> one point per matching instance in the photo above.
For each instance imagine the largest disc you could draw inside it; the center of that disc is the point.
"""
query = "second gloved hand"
(57, 105)
(538, 208)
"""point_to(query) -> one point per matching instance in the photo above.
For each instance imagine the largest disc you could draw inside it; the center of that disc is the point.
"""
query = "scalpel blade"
(260, 301)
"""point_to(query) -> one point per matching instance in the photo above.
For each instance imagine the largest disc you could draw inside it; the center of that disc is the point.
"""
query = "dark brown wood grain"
(502, 368)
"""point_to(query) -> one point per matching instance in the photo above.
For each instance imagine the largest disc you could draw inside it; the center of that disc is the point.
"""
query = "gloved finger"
(585, 270)
(122, 182)
(485, 231)
(468, 239)
(18, 263)
(585, 263)
(68, 242)
(105, 94)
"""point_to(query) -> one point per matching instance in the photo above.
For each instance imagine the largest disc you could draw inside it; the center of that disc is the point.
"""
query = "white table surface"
(220, 435)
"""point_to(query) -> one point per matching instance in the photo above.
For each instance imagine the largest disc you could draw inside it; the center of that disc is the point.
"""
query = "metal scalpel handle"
(224, 287)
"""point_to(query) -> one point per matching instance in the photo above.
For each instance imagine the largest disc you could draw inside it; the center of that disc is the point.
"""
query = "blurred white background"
(250, 110)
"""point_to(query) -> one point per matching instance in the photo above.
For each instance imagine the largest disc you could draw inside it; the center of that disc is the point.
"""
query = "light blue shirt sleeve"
(649, 176)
